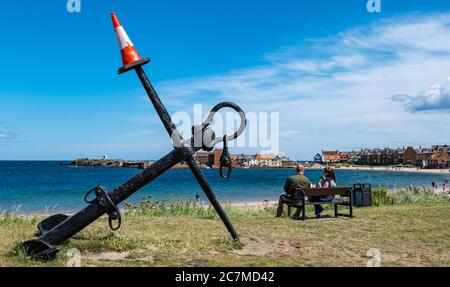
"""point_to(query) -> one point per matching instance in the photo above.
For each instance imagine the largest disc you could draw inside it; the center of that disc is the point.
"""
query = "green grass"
(409, 229)
(148, 207)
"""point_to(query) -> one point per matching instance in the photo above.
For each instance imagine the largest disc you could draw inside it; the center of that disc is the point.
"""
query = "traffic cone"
(130, 56)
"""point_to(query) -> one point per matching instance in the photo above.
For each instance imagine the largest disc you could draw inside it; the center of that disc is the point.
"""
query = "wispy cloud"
(436, 98)
(7, 137)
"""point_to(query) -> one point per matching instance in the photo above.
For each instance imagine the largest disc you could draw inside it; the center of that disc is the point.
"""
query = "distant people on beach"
(433, 185)
(327, 179)
(445, 186)
(293, 182)
(197, 198)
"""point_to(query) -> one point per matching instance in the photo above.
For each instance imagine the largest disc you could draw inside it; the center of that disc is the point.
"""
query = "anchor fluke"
(40, 250)
(49, 223)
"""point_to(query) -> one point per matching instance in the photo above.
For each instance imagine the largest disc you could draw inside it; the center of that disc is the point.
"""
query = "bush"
(381, 196)
(417, 196)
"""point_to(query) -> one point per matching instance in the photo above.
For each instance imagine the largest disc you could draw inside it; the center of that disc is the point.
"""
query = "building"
(410, 156)
(268, 160)
(440, 148)
(242, 159)
(439, 159)
(331, 156)
(353, 156)
(423, 155)
(318, 158)
(202, 158)
(343, 156)
(398, 156)
(214, 158)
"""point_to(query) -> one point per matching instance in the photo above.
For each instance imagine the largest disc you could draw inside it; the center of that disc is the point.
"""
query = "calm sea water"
(45, 185)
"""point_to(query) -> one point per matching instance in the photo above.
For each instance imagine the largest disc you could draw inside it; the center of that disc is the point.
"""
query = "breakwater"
(107, 163)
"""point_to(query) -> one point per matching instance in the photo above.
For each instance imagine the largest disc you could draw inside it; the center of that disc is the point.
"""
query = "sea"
(30, 187)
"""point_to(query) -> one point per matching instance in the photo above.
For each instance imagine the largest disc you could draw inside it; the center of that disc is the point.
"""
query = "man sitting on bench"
(296, 181)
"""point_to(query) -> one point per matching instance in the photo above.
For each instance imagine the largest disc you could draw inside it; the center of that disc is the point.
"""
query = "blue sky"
(340, 77)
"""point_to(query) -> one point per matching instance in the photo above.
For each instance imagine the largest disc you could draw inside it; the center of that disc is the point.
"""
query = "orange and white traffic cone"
(130, 56)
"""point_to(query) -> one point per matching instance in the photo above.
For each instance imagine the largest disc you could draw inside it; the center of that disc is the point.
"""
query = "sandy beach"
(385, 168)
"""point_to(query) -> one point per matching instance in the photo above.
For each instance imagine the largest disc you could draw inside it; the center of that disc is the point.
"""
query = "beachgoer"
(328, 179)
(445, 186)
(293, 182)
(197, 198)
(433, 184)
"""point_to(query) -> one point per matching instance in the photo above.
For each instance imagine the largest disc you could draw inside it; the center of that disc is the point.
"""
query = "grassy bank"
(407, 233)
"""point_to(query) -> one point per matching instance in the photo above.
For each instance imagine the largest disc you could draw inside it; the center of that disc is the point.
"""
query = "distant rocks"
(108, 163)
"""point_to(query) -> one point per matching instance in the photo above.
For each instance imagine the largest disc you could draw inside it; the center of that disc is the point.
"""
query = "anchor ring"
(218, 107)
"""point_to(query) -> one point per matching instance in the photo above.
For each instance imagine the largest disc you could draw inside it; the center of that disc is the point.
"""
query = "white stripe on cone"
(123, 38)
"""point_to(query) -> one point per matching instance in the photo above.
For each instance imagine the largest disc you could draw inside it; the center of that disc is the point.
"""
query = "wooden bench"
(301, 198)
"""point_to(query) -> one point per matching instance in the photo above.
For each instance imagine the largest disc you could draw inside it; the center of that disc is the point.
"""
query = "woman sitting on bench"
(327, 179)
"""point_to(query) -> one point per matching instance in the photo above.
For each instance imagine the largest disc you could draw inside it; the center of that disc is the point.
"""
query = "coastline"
(145, 164)
(240, 192)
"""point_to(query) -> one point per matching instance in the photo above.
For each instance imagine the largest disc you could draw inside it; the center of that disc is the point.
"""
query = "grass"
(409, 229)
(382, 196)
(148, 207)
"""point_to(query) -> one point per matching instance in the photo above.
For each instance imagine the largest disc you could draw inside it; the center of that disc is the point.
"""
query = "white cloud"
(5, 135)
(8, 138)
(437, 98)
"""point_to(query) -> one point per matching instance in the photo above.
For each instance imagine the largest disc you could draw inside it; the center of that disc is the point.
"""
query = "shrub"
(417, 196)
(381, 196)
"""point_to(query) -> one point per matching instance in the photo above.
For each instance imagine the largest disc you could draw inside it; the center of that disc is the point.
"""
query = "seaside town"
(434, 157)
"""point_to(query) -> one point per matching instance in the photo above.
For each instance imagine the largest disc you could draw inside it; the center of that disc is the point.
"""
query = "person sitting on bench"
(296, 181)
(327, 179)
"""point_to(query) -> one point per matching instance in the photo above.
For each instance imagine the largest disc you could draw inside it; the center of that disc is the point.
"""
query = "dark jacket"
(296, 181)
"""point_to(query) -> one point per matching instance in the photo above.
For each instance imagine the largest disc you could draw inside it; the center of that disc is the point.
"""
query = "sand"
(384, 168)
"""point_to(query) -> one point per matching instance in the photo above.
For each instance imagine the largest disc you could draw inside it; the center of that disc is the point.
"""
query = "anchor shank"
(177, 140)
(159, 107)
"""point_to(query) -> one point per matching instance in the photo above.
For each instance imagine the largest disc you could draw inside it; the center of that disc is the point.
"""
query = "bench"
(301, 198)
